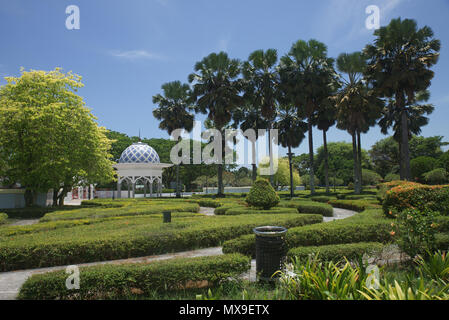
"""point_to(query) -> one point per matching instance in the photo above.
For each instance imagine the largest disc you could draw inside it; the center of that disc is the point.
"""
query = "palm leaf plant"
(216, 92)
(399, 67)
(174, 112)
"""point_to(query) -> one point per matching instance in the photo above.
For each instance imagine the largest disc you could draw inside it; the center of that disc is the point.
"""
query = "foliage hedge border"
(115, 281)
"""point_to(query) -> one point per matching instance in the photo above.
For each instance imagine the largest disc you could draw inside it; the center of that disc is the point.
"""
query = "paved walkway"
(10, 282)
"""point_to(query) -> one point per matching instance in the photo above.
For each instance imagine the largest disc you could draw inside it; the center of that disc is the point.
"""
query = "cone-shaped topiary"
(262, 195)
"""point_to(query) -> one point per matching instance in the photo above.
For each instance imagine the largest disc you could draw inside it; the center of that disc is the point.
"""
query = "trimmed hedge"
(354, 205)
(365, 228)
(243, 210)
(144, 207)
(323, 199)
(421, 197)
(132, 237)
(115, 281)
(3, 218)
(309, 207)
(336, 252)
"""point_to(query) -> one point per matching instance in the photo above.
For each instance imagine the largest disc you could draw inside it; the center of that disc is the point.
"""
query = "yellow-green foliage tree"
(282, 176)
(49, 139)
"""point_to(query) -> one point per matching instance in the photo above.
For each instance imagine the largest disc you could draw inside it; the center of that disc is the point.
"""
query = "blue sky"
(125, 50)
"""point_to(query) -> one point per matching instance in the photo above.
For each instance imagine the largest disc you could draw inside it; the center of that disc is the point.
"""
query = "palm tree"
(326, 118)
(307, 72)
(174, 112)
(249, 116)
(216, 92)
(358, 107)
(416, 115)
(261, 82)
(399, 67)
(291, 133)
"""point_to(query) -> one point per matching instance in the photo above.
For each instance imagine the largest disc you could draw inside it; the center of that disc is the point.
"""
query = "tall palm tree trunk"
(254, 173)
(220, 191)
(312, 173)
(359, 157)
(178, 192)
(326, 162)
(270, 151)
(356, 164)
(290, 154)
(405, 150)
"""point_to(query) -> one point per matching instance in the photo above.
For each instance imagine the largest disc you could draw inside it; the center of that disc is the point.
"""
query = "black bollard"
(167, 216)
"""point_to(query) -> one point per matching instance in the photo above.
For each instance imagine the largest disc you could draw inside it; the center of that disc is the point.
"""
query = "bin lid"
(270, 231)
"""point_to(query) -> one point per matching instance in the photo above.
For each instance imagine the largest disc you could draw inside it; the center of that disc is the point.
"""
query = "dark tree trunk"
(359, 157)
(270, 151)
(55, 197)
(356, 164)
(29, 197)
(312, 173)
(326, 162)
(178, 192)
(292, 193)
(405, 152)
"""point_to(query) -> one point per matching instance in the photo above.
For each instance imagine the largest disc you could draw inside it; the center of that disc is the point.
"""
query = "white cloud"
(135, 55)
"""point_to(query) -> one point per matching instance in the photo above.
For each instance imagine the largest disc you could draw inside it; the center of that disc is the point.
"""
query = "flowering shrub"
(415, 231)
(416, 196)
(383, 188)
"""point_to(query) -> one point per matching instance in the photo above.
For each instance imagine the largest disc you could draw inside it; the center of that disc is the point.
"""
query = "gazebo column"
(151, 188)
(145, 188)
(134, 187)
(129, 189)
(119, 188)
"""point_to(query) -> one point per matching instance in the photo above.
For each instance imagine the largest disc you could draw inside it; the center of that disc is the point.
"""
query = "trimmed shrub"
(115, 281)
(322, 199)
(392, 177)
(354, 205)
(3, 218)
(128, 208)
(437, 176)
(336, 252)
(365, 227)
(243, 210)
(310, 207)
(132, 237)
(262, 195)
(417, 196)
(370, 178)
(420, 165)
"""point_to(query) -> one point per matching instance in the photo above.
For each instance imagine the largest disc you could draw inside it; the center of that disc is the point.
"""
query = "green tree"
(399, 67)
(174, 112)
(421, 165)
(216, 92)
(291, 133)
(307, 73)
(48, 137)
(261, 82)
(358, 107)
(384, 155)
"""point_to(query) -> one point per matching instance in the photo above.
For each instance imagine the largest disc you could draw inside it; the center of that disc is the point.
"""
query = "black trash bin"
(270, 251)
(167, 216)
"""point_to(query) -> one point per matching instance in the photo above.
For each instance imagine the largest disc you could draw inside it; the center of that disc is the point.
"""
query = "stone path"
(26, 222)
(10, 282)
(340, 214)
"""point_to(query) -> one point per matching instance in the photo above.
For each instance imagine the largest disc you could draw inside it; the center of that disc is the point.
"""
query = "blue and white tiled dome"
(139, 153)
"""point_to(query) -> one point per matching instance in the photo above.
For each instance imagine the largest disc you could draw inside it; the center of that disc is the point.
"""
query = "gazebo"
(140, 163)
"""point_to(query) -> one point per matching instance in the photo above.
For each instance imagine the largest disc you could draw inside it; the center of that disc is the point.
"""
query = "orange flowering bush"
(416, 196)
